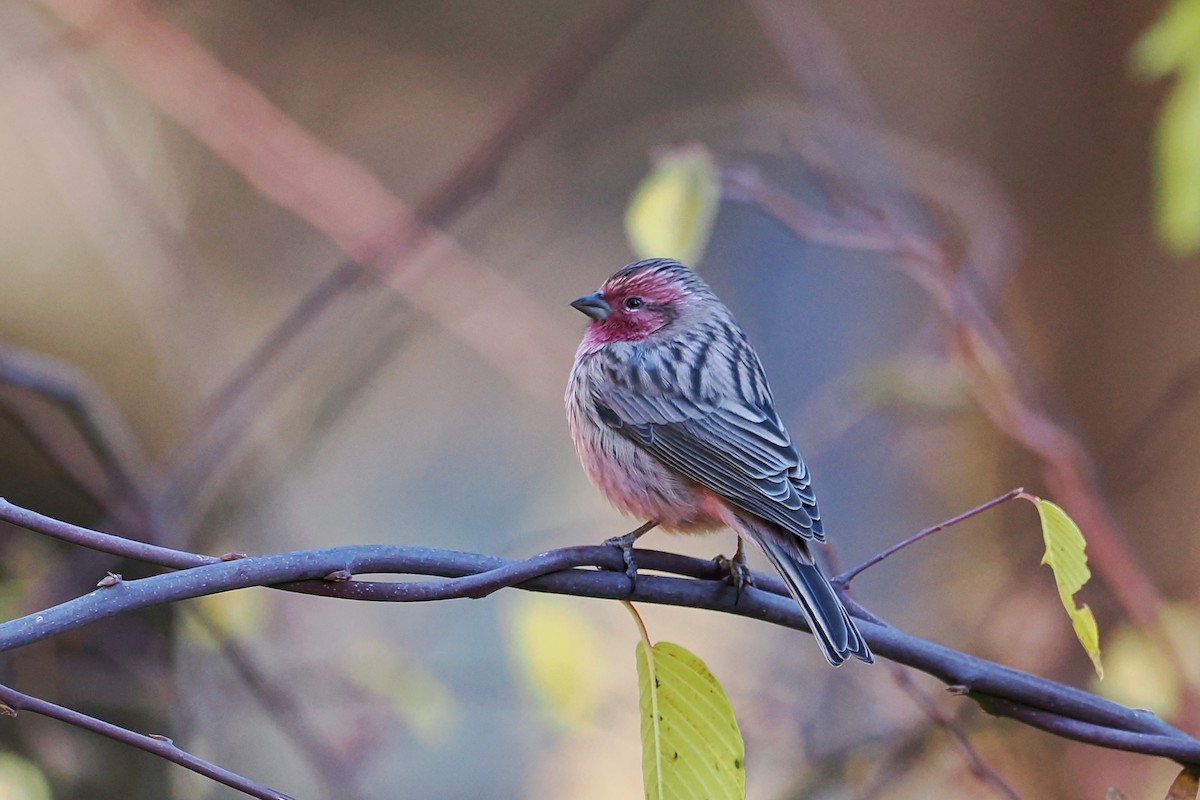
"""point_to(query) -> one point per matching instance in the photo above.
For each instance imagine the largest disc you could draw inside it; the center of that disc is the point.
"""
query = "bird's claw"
(625, 543)
(739, 571)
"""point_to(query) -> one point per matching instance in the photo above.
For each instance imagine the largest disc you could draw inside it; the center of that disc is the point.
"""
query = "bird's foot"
(625, 543)
(739, 571)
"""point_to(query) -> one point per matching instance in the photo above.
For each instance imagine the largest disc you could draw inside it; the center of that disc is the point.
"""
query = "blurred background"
(179, 179)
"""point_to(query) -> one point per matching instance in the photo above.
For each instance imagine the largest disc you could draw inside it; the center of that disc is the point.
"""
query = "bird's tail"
(831, 625)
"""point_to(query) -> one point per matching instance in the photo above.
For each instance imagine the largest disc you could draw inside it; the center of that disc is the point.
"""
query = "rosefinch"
(673, 420)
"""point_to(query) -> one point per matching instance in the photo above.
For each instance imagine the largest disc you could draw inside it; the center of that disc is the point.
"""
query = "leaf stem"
(655, 717)
(637, 618)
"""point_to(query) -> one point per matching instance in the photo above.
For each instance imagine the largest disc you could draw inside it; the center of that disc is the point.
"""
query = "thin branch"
(156, 745)
(1044, 703)
(102, 542)
(470, 575)
(843, 580)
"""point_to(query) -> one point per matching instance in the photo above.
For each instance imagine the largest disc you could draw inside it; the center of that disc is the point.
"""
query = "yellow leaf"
(238, 614)
(1065, 556)
(1143, 667)
(1184, 787)
(691, 744)
(673, 209)
(426, 704)
(919, 384)
(558, 653)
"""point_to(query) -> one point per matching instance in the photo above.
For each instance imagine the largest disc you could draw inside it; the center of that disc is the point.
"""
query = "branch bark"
(598, 572)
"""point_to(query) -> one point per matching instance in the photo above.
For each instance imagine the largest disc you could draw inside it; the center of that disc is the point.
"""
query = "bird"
(673, 421)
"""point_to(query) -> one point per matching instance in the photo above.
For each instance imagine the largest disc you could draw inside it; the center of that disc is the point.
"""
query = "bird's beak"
(594, 305)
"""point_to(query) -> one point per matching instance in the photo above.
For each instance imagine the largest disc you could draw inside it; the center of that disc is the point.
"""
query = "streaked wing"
(731, 442)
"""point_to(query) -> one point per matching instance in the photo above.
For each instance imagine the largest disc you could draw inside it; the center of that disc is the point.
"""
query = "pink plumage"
(674, 422)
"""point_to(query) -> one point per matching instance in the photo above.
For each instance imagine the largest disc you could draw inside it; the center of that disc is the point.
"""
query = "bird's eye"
(634, 303)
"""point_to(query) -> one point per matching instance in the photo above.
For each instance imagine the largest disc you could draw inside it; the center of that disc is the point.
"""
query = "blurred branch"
(93, 166)
(882, 191)
(97, 419)
(108, 440)
(1135, 447)
(96, 452)
(598, 571)
(928, 704)
(993, 373)
(287, 714)
(155, 745)
(913, 206)
(382, 236)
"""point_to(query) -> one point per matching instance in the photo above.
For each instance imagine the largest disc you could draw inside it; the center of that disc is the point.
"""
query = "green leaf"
(673, 210)
(1171, 43)
(1177, 164)
(691, 744)
(1065, 556)
(415, 695)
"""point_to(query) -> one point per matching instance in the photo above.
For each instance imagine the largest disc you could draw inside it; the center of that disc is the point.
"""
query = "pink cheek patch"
(622, 328)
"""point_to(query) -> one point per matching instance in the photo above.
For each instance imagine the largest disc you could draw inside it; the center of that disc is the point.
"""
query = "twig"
(156, 745)
(843, 580)
(102, 542)
(1037, 701)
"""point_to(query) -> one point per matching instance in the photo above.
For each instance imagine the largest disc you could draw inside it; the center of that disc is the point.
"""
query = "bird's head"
(640, 301)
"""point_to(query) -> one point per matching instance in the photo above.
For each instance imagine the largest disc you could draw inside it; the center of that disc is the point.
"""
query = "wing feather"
(729, 442)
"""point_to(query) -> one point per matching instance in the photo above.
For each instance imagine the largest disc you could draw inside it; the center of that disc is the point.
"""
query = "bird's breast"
(631, 479)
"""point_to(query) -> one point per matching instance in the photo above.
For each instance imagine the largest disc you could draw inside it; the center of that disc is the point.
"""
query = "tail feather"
(831, 625)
